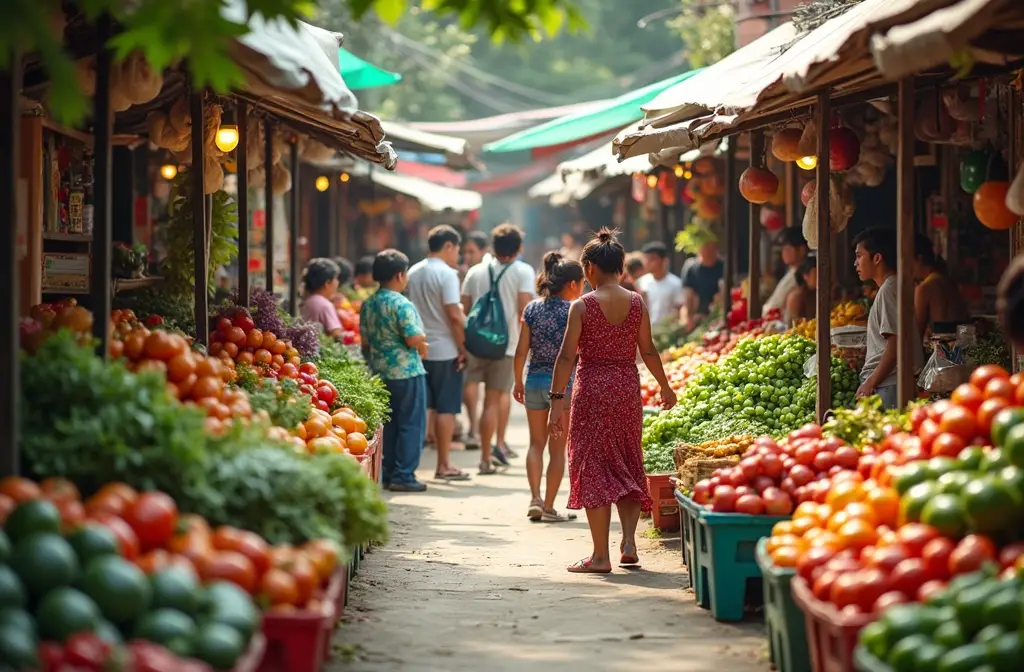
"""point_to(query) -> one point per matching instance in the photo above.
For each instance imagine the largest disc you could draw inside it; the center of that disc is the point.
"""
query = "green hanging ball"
(973, 169)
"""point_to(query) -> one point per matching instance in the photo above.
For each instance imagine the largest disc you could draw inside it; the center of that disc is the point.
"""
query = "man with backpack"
(494, 294)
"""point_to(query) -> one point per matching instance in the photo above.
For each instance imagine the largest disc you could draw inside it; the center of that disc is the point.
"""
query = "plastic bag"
(810, 227)
(808, 145)
(1015, 196)
(946, 369)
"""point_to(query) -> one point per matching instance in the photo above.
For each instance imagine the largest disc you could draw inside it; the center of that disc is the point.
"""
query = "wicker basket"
(699, 468)
(682, 452)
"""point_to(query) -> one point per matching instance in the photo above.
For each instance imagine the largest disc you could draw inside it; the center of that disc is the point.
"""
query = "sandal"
(628, 559)
(486, 469)
(454, 475)
(509, 453)
(536, 511)
(498, 458)
(586, 566)
(553, 516)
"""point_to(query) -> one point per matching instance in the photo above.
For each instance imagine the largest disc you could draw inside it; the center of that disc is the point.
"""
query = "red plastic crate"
(665, 510)
(300, 641)
(831, 635)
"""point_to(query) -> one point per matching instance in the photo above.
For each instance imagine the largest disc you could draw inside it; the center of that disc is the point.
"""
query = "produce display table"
(787, 633)
(724, 572)
(831, 635)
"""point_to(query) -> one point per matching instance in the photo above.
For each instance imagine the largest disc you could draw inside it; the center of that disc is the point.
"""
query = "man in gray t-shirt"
(434, 290)
(876, 260)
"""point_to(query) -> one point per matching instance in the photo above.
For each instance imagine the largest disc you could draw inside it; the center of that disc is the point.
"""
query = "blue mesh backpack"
(486, 329)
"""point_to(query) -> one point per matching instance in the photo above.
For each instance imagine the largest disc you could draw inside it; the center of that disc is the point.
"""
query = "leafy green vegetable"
(863, 424)
(282, 401)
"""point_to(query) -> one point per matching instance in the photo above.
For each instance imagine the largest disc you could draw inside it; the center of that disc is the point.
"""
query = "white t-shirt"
(882, 321)
(777, 301)
(433, 285)
(664, 297)
(519, 278)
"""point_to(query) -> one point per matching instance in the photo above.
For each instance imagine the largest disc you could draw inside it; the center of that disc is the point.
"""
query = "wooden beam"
(295, 207)
(754, 253)
(822, 117)
(198, 174)
(242, 198)
(906, 339)
(728, 208)
(102, 194)
(10, 150)
(268, 215)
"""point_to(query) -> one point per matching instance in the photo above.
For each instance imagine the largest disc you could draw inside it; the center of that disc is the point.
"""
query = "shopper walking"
(393, 344)
(662, 289)
(434, 290)
(544, 319)
(604, 330)
(512, 280)
(474, 251)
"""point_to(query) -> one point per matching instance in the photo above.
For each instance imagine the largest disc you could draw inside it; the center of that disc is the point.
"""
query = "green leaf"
(390, 11)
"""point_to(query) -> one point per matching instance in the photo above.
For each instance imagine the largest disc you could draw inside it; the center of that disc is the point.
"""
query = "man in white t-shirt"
(434, 290)
(515, 289)
(794, 251)
(662, 290)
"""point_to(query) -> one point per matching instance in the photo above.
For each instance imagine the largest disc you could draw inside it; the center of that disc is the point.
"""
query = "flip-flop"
(628, 559)
(536, 510)
(498, 457)
(586, 566)
(456, 475)
(489, 470)
(553, 516)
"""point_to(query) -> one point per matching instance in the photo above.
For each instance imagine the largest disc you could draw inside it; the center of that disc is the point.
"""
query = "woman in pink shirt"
(321, 281)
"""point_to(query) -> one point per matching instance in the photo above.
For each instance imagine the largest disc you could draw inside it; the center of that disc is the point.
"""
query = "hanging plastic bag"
(1015, 196)
(810, 226)
(841, 204)
(808, 145)
(946, 369)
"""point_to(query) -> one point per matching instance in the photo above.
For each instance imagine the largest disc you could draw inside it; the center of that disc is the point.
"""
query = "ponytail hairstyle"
(557, 273)
(605, 252)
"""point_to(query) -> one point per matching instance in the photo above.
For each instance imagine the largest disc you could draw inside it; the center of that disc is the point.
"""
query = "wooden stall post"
(103, 120)
(268, 215)
(906, 386)
(242, 199)
(199, 235)
(10, 146)
(728, 208)
(293, 233)
(792, 194)
(824, 292)
(754, 254)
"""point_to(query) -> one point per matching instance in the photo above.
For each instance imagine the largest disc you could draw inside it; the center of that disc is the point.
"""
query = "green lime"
(946, 514)
(1005, 420)
(912, 503)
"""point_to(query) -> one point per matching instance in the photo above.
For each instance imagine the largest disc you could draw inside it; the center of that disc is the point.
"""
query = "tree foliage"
(707, 31)
(168, 32)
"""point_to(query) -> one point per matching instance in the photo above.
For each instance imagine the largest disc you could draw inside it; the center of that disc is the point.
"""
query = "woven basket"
(700, 468)
(682, 452)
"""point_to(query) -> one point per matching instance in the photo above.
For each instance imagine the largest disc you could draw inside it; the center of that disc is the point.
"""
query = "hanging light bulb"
(227, 137)
(344, 177)
(322, 183)
(679, 171)
(807, 162)
(168, 171)
(687, 174)
(652, 181)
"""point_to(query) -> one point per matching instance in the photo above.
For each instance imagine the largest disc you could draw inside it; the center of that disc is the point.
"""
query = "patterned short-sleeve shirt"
(386, 319)
(547, 319)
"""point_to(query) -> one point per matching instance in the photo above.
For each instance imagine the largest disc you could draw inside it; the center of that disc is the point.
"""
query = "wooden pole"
(103, 120)
(754, 253)
(199, 235)
(10, 150)
(824, 292)
(268, 153)
(728, 208)
(906, 386)
(792, 194)
(242, 199)
(293, 233)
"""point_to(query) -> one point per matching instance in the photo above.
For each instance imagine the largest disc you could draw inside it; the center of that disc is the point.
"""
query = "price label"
(66, 272)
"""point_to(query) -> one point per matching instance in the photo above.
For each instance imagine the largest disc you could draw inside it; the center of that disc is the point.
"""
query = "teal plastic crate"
(787, 629)
(726, 569)
(688, 512)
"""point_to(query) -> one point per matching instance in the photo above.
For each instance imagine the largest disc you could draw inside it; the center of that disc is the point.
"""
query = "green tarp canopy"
(360, 74)
(615, 114)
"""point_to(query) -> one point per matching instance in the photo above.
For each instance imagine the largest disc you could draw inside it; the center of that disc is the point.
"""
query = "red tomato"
(87, 649)
(908, 576)
(887, 557)
(968, 396)
(230, 566)
(981, 376)
(930, 589)
(1009, 555)
(805, 454)
(822, 587)
(750, 504)
(309, 368)
(126, 538)
(926, 433)
(153, 517)
(776, 502)
(815, 557)
(873, 584)
(1000, 388)
(936, 557)
(847, 457)
(947, 445)
(887, 600)
(724, 499)
(988, 410)
(971, 554)
(914, 536)
(800, 475)
(771, 466)
(702, 492)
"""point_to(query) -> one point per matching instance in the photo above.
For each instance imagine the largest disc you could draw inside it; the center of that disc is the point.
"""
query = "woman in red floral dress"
(605, 328)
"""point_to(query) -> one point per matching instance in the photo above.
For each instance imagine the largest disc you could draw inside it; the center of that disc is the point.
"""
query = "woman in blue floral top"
(544, 319)
(393, 344)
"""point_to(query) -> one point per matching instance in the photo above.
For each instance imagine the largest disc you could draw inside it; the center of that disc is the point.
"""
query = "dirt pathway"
(468, 583)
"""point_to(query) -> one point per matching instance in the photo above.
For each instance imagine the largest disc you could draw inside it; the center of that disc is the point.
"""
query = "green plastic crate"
(787, 629)
(688, 512)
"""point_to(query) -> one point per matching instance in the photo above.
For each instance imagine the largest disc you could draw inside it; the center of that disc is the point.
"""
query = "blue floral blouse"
(386, 319)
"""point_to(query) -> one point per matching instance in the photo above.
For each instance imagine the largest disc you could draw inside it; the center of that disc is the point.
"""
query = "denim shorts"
(444, 386)
(536, 399)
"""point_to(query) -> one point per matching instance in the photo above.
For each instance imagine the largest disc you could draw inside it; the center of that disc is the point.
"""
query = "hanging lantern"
(990, 206)
(322, 183)
(973, 170)
(807, 162)
(344, 177)
(667, 188)
(843, 148)
(679, 171)
(638, 188)
(652, 181)
(168, 171)
(757, 185)
(227, 137)
(772, 220)
(785, 144)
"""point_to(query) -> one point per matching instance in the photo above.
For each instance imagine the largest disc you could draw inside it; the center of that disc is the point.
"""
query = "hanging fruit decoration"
(758, 185)
(843, 148)
(990, 206)
(973, 170)
(772, 220)
(667, 188)
(786, 144)
(808, 191)
(709, 208)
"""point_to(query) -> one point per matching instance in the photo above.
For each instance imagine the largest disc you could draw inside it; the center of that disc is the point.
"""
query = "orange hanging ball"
(990, 206)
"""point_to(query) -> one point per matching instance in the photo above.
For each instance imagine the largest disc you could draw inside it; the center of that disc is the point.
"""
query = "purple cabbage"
(265, 313)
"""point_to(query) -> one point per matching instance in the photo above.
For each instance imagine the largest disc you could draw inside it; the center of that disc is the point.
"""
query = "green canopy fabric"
(613, 115)
(360, 74)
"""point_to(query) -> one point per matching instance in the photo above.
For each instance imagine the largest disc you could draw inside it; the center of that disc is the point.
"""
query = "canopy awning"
(431, 196)
(589, 123)
(292, 71)
(359, 74)
(479, 132)
(406, 138)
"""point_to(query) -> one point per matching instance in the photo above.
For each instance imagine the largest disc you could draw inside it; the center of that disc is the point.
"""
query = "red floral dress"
(605, 458)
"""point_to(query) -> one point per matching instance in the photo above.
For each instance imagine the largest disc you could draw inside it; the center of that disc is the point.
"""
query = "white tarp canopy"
(433, 197)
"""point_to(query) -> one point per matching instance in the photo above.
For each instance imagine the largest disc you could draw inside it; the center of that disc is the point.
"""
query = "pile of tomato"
(342, 431)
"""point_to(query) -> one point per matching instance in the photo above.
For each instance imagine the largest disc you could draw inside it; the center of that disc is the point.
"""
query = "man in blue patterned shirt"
(394, 344)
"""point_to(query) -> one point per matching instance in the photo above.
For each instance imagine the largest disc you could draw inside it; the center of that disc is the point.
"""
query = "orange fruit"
(886, 504)
(857, 534)
(356, 443)
(785, 556)
(842, 493)
(345, 421)
(315, 427)
(360, 425)
(782, 527)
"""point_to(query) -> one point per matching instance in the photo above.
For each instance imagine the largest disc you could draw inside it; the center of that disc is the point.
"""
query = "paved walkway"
(467, 582)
